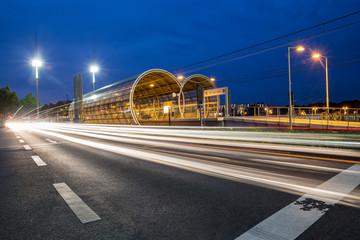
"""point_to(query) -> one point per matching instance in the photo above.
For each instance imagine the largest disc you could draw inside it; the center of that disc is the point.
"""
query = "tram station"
(154, 97)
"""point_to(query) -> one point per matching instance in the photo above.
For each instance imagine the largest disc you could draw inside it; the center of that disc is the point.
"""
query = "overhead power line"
(294, 68)
(276, 39)
(311, 36)
(283, 72)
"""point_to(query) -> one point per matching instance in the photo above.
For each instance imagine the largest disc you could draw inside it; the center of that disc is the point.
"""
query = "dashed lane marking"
(294, 219)
(21, 141)
(38, 161)
(82, 211)
(17, 136)
(27, 147)
(51, 141)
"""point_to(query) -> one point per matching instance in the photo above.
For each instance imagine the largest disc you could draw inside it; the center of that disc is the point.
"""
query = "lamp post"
(93, 68)
(36, 62)
(319, 56)
(299, 49)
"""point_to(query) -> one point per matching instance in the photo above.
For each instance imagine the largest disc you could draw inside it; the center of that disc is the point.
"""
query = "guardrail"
(302, 115)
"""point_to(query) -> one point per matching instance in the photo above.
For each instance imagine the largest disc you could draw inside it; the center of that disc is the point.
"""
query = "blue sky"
(131, 37)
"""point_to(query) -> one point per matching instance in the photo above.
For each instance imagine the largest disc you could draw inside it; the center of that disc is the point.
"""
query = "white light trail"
(192, 137)
(255, 176)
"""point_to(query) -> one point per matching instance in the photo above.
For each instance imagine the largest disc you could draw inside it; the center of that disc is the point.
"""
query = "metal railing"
(305, 115)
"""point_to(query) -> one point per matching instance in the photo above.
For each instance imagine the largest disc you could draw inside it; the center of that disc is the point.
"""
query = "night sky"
(131, 37)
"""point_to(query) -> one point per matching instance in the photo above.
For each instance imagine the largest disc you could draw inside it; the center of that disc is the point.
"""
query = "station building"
(145, 99)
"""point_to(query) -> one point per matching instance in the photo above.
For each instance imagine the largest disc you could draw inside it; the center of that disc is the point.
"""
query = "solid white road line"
(21, 141)
(27, 147)
(294, 219)
(51, 141)
(82, 211)
(38, 161)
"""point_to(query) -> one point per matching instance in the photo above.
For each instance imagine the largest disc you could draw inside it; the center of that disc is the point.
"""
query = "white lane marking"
(27, 147)
(294, 219)
(21, 141)
(38, 161)
(82, 211)
(17, 136)
(51, 141)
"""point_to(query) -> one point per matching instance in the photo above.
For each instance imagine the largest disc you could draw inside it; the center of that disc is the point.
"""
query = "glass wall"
(188, 98)
(144, 98)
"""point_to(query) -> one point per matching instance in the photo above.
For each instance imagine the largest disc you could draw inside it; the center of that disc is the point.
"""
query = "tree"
(28, 103)
(8, 101)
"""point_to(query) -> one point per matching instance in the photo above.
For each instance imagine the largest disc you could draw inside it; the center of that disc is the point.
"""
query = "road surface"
(64, 181)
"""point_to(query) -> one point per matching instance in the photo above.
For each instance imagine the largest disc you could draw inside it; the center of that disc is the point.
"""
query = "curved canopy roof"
(143, 93)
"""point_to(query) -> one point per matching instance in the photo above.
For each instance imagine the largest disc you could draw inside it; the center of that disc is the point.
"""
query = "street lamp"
(319, 56)
(299, 49)
(36, 62)
(94, 69)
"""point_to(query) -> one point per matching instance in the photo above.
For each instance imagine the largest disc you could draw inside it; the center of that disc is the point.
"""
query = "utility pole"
(290, 92)
(200, 99)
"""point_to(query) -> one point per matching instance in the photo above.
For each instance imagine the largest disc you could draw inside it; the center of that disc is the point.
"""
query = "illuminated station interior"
(147, 98)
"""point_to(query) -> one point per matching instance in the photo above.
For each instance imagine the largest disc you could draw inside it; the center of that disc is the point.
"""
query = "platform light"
(180, 77)
(212, 79)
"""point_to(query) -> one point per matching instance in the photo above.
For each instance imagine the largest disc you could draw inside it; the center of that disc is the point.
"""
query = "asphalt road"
(151, 187)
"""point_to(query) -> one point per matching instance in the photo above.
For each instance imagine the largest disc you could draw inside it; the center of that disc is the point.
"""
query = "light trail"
(193, 162)
(151, 138)
(286, 138)
(193, 136)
